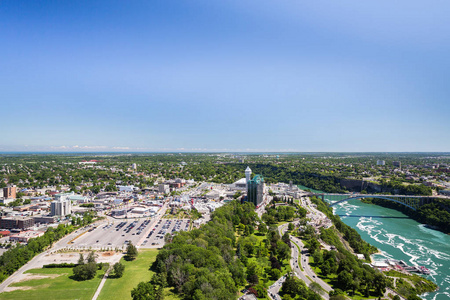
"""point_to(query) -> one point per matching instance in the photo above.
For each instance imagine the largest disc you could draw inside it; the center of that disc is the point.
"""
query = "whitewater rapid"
(399, 237)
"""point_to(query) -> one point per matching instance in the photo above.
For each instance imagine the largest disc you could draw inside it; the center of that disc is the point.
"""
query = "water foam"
(420, 251)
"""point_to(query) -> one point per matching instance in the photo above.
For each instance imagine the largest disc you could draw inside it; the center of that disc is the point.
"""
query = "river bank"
(401, 238)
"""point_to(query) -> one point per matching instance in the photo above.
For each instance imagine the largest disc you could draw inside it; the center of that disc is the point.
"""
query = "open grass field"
(55, 283)
(135, 272)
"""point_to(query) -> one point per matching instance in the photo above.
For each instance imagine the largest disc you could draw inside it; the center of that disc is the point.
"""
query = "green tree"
(144, 291)
(85, 271)
(275, 274)
(119, 269)
(91, 257)
(159, 279)
(284, 252)
(81, 259)
(318, 257)
(325, 268)
(132, 251)
(380, 284)
(345, 280)
(262, 228)
(291, 226)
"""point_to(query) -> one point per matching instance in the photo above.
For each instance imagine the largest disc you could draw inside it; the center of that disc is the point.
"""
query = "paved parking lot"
(120, 233)
(113, 235)
(155, 238)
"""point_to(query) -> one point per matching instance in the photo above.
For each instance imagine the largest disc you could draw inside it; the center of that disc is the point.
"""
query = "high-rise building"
(397, 164)
(62, 206)
(134, 166)
(164, 188)
(255, 190)
(9, 192)
(381, 162)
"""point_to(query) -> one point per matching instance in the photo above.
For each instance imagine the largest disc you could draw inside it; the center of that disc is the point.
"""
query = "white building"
(62, 206)
(79, 199)
(140, 210)
(126, 188)
(241, 184)
(164, 188)
(248, 174)
(381, 162)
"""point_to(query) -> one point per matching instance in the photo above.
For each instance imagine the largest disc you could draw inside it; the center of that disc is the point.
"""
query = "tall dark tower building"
(255, 190)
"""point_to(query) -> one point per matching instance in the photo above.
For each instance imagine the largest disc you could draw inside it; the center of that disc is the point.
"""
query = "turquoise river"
(399, 237)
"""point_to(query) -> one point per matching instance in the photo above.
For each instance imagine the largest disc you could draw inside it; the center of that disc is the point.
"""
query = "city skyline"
(196, 76)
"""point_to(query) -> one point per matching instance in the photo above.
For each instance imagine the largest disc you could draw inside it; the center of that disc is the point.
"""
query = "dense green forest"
(222, 256)
(348, 273)
(201, 264)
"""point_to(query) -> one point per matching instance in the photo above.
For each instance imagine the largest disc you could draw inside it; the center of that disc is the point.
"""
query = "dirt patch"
(30, 276)
(108, 253)
(24, 288)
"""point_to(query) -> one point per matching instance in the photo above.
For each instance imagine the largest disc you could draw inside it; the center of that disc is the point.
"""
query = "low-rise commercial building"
(25, 236)
(4, 233)
(44, 219)
(16, 222)
(118, 212)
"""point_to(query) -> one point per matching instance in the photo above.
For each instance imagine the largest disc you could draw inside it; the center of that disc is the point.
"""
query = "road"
(303, 256)
(295, 266)
(307, 271)
(275, 288)
(35, 262)
(262, 208)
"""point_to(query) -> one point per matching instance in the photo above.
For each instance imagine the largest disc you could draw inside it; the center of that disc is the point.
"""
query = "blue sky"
(203, 75)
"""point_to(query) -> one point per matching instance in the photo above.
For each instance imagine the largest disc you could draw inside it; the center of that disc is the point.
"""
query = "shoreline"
(378, 252)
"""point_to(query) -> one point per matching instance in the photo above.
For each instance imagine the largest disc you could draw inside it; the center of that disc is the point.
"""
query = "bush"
(85, 272)
(132, 252)
(62, 265)
(118, 270)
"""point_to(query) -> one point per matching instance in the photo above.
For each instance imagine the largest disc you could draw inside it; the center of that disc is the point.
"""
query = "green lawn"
(59, 287)
(135, 272)
(261, 237)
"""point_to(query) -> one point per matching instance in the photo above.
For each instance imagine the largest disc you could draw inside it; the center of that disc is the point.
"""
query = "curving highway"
(303, 256)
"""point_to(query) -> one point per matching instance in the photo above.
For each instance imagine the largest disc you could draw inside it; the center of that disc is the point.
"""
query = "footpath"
(35, 262)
